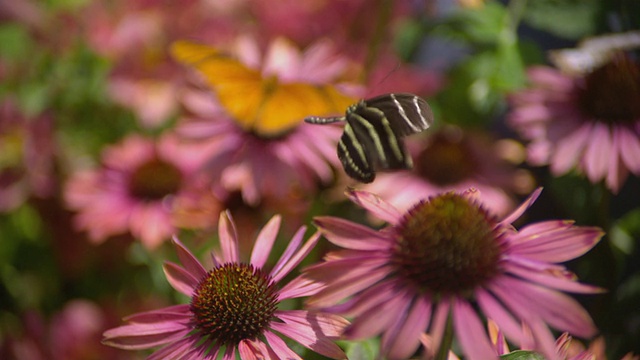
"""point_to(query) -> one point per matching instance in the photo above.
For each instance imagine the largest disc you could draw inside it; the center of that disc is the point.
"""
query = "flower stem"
(447, 339)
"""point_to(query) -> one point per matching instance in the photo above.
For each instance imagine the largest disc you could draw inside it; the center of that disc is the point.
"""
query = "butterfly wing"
(258, 103)
(406, 113)
(353, 155)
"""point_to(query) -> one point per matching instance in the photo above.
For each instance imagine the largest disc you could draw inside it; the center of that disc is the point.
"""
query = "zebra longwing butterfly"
(372, 137)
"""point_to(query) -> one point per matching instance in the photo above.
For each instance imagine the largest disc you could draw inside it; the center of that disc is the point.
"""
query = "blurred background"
(109, 144)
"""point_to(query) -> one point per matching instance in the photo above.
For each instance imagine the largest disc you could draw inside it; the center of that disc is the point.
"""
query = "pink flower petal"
(190, 263)
(376, 320)
(180, 279)
(522, 208)
(264, 242)
(304, 328)
(550, 281)
(299, 287)
(228, 238)
(144, 336)
(471, 333)
(568, 152)
(376, 205)
(557, 246)
(404, 339)
(555, 308)
(279, 347)
(289, 252)
(350, 235)
(175, 350)
(496, 311)
(178, 313)
(598, 154)
(629, 144)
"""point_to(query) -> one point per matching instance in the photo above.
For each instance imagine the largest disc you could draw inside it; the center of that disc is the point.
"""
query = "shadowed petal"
(374, 320)
(598, 153)
(304, 327)
(511, 327)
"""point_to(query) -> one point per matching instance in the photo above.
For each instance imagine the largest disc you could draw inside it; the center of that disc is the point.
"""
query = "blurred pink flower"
(589, 123)
(144, 187)
(234, 306)
(26, 156)
(439, 258)
(287, 165)
(72, 334)
(451, 159)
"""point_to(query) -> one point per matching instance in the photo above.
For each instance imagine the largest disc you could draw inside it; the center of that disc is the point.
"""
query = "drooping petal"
(175, 350)
(404, 339)
(496, 311)
(264, 242)
(555, 308)
(377, 320)
(471, 333)
(598, 153)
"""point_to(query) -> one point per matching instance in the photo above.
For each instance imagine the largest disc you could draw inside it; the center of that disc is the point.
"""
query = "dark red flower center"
(446, 160)
(234, 302)
(155, 179)
(447, 244)
(611, 93)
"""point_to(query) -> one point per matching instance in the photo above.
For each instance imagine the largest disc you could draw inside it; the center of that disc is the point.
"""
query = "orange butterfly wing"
(261, 104)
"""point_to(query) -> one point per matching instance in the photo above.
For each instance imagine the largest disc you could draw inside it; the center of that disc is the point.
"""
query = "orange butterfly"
(262, 104)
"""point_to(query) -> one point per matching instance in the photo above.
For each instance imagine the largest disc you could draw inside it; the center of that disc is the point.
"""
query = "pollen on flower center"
(234, 302)
(611, 93)
(447, 245)
(155, 179)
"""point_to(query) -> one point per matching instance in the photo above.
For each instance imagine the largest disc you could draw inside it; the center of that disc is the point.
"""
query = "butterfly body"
(373, 132)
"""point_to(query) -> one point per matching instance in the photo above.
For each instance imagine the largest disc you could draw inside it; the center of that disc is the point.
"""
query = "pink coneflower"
(144, 187)
(444, 258)
(286, 162)
(234, 306)
(452, 160)
(589, 123)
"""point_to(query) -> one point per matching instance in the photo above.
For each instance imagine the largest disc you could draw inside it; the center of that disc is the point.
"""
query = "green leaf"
(362, 350)
(570, 19)
(522, 355)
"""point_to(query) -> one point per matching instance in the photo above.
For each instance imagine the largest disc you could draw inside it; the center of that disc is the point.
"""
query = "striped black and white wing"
(407, 113)
(372, 137)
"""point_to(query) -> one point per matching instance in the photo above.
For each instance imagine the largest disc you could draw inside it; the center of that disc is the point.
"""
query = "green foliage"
(522, 355)
(571, 19)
